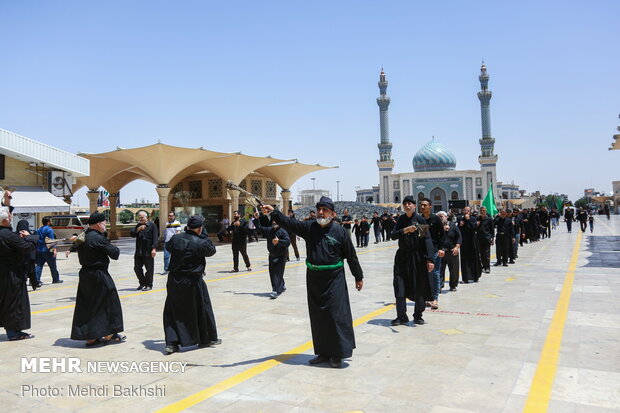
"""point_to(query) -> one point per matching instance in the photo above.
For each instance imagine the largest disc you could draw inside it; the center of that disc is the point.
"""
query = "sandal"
(21, 336)
(96, 342)
(116, 338)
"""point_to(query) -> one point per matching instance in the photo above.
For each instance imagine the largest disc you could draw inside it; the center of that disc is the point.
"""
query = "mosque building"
(434, 173)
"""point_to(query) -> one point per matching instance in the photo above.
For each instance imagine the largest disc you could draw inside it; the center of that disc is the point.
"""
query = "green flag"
(489, 202)
(560, 203)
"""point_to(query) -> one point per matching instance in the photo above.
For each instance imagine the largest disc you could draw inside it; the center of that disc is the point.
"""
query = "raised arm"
(301, 228)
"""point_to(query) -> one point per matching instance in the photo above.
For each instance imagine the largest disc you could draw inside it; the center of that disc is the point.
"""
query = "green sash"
(314, 267)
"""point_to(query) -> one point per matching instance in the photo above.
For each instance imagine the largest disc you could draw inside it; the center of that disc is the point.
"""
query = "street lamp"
(313, 187)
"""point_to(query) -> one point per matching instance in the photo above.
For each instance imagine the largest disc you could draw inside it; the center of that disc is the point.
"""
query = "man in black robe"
(147, 236)
(569, 217)
(15, 252)
(582, 217)
(188, 314)
(239, 229)
(503, 238)
(484, 236)
(98, 316)
(451, 242)
(471, 267)
(412, 263)
(328, 245)
(277, 245)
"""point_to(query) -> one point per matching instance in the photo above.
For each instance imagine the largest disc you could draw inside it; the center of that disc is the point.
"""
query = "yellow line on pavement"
(542, 383)
(245, 375)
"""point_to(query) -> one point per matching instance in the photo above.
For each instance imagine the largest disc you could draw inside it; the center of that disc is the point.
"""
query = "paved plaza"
(551, 318)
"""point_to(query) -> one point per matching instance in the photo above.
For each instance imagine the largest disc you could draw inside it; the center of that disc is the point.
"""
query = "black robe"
(98, 311)
(410, 272)
(471, 267)
(188, 314)
(14, 302)
(328, 298)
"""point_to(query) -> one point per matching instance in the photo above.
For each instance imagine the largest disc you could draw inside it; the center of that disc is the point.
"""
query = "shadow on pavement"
(605, 251)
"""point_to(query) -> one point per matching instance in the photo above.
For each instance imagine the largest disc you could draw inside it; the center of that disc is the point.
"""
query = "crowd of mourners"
(429, 245)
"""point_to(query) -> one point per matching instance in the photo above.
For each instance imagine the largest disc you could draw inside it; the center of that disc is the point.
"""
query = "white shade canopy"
(31, 199)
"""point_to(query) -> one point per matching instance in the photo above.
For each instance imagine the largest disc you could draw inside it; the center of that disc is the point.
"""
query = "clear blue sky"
(299, 80)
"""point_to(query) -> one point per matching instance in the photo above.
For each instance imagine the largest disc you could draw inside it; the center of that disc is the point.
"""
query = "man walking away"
(188, 314)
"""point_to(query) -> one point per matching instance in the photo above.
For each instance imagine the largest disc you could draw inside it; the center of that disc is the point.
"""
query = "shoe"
(116, 339)
(140, 288)
(171, 348)
(428, 303)
(297, 258)
(511, 262)
(504, 265)
(249, 269)
(39, 284)
(319, 359)
(21, 336)
(215, 342)
(164, 273)
(335, 362)
(58, 281)
(147, 288)
(497, 264)
(273, 295)
(434, 305)
(419, 321)
(487, 271)
(399, 321)
(476, 280)
(234, 270)
(96, 342)
(453, 289)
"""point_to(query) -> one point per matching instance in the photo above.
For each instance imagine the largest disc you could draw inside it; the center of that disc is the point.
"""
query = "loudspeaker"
(457, 203)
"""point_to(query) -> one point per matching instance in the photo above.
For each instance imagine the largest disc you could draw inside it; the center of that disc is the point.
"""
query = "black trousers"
(294, 245)
(240, 248)
(386, 233)
(583, 225)
(276, 273)
(452, 262)
(484, 246)
(358, 239)
(502, 248)
(401, 307)
(569, 225)
(145, 278)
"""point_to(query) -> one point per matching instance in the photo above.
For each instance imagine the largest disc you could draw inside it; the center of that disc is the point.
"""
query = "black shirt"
(436, 231)
(346, 218)
(146, 239)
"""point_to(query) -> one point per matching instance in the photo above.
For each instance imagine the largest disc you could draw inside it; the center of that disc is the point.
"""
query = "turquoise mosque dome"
(434, 157)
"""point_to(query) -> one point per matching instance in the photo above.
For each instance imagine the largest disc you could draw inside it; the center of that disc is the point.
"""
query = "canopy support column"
(93, 197)
(286, 197)
(163, 191)
(113, 198)
(234, 203)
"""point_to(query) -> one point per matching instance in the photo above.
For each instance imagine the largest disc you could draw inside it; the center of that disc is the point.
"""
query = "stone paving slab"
(478, 352)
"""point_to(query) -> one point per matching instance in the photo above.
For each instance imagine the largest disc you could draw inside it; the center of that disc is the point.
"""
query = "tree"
(126, 216)
(581, 202)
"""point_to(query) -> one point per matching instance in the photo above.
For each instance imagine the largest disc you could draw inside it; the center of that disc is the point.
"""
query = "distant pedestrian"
(44, 253)
(376, 226)
(172, 227)
(146, 235)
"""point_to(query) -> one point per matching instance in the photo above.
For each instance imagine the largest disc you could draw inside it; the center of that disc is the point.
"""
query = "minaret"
(385, 162)
(487, 159)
